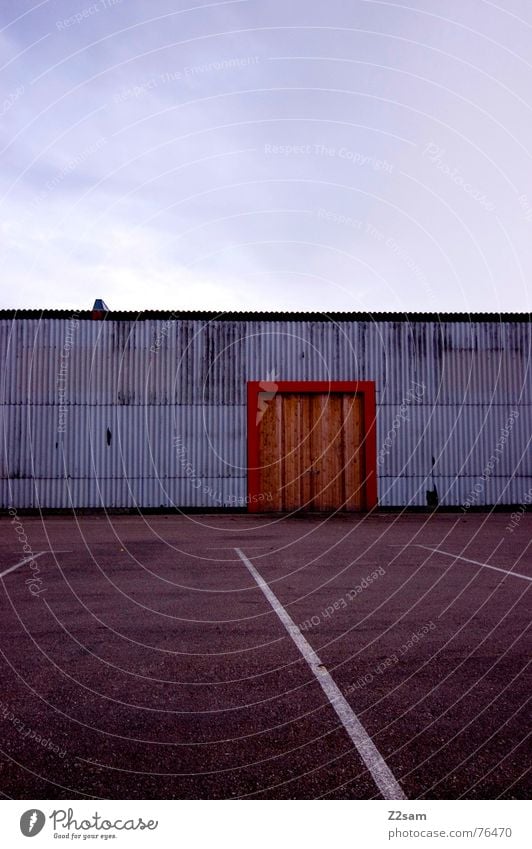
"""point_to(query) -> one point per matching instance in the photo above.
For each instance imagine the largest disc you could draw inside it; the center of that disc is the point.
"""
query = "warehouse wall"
(120, 413)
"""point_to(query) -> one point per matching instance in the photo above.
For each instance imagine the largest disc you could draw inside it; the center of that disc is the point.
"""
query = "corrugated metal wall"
(152, 412)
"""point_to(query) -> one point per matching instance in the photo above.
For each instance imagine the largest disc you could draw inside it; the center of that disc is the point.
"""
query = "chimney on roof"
(99, 310)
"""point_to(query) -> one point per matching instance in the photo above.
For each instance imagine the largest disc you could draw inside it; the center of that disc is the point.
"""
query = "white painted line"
(475, 562)
(380, 771)
(22, 562)
(34, 557)
(265, 548)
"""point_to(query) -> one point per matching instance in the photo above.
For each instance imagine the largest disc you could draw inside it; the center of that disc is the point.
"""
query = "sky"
(347, 155)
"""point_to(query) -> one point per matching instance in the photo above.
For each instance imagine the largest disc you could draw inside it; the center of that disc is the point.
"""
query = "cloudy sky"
(267, 154)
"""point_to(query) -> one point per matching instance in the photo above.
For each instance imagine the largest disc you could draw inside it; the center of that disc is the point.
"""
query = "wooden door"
(311, 451)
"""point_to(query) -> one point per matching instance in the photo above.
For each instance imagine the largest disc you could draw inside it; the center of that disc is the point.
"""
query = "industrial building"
(265, 412)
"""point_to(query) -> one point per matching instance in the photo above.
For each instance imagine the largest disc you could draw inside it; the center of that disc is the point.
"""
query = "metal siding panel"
(148, 380)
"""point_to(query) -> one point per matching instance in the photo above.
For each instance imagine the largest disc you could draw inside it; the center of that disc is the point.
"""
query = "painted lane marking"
(22, 562)
(475, 562)
(380, 771)
(34, 557)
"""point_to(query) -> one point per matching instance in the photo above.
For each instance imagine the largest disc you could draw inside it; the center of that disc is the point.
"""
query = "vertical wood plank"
(291, 447)
(353, 451)
(328, 462)
(306, 453)
(270, 494)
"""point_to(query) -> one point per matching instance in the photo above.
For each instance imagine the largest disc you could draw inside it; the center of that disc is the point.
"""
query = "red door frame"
(366, 388)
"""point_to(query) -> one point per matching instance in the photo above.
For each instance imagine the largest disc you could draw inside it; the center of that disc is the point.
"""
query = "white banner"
(266, 824)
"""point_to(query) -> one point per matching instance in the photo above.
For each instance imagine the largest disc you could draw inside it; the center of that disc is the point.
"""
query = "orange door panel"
(310, 451)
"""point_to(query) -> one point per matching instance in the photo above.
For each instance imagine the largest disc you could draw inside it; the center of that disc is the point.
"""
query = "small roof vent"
(100, 309)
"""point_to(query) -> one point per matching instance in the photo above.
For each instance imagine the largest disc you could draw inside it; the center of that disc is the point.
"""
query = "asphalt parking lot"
(236, 656)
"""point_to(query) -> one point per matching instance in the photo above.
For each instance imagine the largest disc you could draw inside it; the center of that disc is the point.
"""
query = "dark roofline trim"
(205, 315)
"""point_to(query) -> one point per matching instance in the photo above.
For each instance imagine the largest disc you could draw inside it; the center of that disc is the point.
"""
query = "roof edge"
(207, 315)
